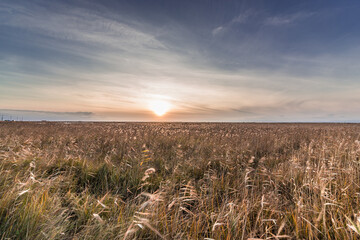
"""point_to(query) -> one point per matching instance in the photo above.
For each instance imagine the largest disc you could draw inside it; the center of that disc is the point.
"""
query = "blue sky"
(207, 60)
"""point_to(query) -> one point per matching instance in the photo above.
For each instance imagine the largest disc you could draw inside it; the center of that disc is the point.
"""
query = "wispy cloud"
(217, 30)
(239, 19)
(75, 24)
(287, 19)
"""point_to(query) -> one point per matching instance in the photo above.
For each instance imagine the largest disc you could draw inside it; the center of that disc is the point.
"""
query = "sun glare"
(159, 107)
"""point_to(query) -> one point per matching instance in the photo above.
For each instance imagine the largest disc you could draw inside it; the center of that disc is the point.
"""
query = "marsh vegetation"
(179, 181)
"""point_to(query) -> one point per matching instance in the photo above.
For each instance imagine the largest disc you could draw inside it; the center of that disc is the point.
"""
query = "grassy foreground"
(179, 181)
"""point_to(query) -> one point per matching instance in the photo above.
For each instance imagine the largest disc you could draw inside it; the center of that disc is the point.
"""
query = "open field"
(179, 181)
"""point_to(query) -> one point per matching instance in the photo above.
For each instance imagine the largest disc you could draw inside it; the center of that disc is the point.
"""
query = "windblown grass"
(179, 181)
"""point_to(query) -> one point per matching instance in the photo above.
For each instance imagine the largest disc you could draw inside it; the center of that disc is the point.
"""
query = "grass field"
(179, 181)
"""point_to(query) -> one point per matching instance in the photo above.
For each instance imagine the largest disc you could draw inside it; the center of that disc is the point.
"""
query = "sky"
(198, 60)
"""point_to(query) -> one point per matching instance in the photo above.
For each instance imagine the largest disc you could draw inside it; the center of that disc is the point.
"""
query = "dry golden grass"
(179, 181)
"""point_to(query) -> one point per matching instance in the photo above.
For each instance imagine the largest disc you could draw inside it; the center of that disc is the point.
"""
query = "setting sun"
(159, 107)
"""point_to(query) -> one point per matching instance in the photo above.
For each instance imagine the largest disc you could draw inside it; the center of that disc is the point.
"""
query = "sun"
(159, 107)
